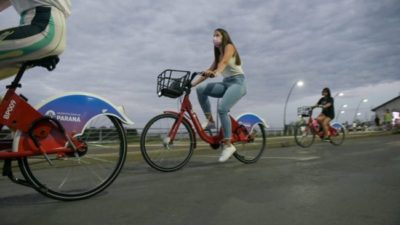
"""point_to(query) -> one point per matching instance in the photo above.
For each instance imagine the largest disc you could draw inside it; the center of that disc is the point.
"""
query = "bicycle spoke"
(92, 170)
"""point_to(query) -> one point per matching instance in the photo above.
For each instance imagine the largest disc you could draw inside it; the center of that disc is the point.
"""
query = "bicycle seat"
(48, 62)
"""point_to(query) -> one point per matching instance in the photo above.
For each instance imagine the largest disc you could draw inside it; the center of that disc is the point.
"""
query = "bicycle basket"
(172, 83)
(304, 111)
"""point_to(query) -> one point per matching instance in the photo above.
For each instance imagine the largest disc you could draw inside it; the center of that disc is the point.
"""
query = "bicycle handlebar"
(194, 74)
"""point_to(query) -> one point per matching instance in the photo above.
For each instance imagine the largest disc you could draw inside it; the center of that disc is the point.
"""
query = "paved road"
(358, 183)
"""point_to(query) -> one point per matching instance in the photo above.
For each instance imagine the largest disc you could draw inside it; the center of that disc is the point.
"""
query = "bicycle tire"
(74, 178)
(250, 152)
(156, 149)
(302, 132)
(335, 140)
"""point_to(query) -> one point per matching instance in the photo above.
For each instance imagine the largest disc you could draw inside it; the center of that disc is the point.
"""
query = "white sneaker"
(227, 153)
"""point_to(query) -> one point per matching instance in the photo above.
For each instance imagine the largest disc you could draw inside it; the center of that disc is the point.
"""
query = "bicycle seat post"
(15, 83)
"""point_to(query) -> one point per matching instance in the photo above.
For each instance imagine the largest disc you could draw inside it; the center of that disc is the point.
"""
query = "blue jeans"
(231, 90)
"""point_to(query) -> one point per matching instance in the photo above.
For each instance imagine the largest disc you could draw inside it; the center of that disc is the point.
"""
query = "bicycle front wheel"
(250, 152)
(338, 135)
(75, 177)
(304, 136)
(159, 151)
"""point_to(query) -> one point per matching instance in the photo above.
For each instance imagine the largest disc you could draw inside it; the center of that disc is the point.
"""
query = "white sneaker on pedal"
(227, 153)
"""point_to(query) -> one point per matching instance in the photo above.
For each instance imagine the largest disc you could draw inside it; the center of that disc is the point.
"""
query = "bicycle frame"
(17, 114)
(320, 133)
(186, 107)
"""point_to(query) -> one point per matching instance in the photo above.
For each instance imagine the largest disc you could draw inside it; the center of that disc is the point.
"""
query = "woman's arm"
(229, 52)
(4, 4)
(327, 105)
(198, 81)
(206, 74)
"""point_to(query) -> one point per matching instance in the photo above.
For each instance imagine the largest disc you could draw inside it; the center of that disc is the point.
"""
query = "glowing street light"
(341, 111)
(340, 94)
(358, 107)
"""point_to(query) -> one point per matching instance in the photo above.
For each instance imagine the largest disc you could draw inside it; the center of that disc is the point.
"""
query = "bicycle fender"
(74, 110)
(336, 125)
(250, 120)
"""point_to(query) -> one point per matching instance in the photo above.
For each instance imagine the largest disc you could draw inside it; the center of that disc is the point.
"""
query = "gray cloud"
(116, 49)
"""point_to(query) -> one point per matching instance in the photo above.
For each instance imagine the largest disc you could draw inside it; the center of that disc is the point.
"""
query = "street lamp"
(341, 111)
(298, 83)
(340, 94)
(358, 107)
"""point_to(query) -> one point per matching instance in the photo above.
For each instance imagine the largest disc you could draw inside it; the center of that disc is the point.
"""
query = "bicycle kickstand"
(7, 171)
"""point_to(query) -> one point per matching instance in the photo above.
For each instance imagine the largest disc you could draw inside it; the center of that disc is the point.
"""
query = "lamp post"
(340, 94)
(358, 107)
(341, 111)
(298, 83)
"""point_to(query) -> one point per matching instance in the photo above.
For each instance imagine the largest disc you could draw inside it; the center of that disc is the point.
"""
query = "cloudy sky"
(116, 49)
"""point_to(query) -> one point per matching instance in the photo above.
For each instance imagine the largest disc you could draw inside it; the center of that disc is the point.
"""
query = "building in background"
(393, 106)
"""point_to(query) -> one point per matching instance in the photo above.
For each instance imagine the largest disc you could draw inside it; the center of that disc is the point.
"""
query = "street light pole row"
(358, 107)
(298, 83)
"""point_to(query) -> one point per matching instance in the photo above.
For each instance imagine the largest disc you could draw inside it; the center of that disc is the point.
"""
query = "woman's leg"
(216, 90)
(325, 125)
(232, 95)
(236, 90)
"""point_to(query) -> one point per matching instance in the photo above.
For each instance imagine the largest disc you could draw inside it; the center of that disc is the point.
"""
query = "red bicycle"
(168, 140)
(305, 131)
(71, 147)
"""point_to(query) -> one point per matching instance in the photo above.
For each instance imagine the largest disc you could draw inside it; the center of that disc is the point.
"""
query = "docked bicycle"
(71, 147)
(306, 130)
(169, 139)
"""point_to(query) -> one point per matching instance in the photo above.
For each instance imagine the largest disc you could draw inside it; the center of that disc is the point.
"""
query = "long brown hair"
(327, 90)
(226, 39)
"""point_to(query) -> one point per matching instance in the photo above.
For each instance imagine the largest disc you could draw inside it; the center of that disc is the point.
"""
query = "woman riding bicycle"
(328, 112)
(42, 33)
(232, 88)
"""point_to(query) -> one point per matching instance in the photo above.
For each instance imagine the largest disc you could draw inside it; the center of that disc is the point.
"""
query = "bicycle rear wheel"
(250, 152)
(77, 177)
(157, 149)
(338, 135)
(304, 136)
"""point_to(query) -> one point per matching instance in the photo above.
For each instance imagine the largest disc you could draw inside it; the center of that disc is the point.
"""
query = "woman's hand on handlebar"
(318, 106)
(194, 82)
(209, 73)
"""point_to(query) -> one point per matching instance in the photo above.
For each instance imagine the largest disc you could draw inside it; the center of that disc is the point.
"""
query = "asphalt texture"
(356, 183)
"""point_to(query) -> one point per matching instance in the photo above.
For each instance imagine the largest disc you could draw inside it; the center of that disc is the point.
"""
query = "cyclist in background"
(41, 33)
(328, 112)
(233, 87)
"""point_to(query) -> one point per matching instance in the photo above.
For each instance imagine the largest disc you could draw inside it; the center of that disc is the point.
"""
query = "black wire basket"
(304, 111)
(172, 83)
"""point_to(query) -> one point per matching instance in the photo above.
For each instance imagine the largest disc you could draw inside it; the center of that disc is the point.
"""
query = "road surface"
(357, 183)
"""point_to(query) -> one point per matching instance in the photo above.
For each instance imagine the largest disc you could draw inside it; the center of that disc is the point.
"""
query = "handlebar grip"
(194, 74)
